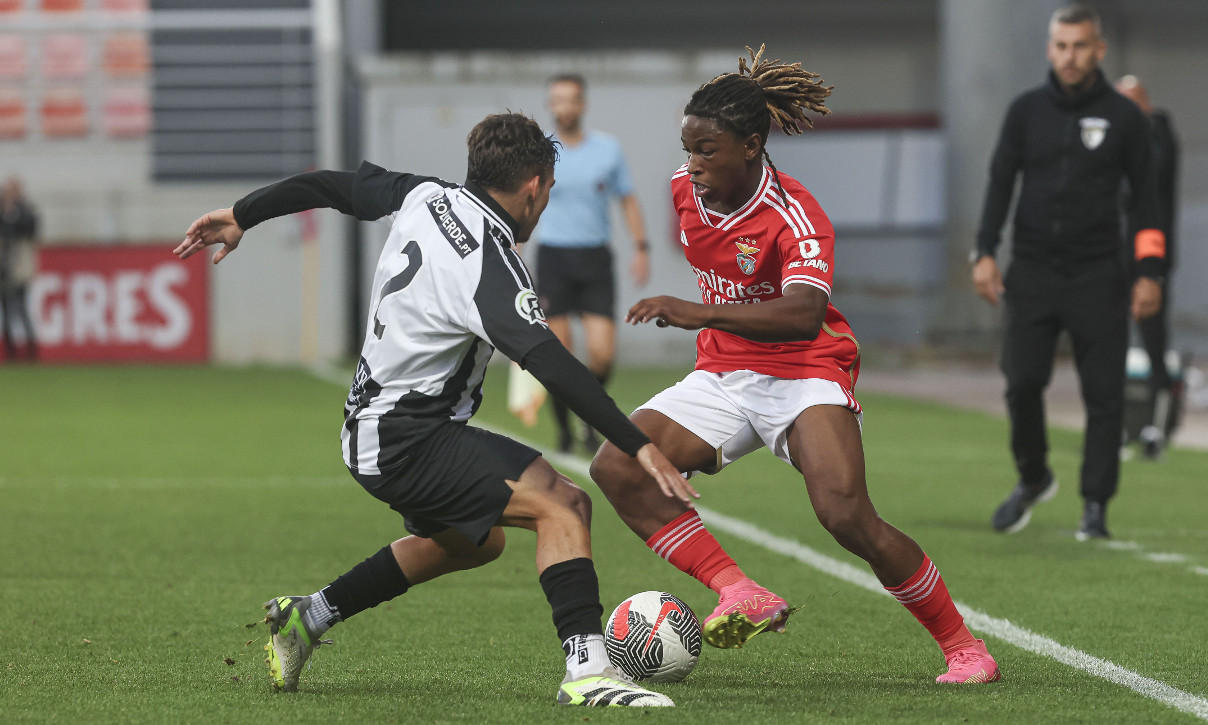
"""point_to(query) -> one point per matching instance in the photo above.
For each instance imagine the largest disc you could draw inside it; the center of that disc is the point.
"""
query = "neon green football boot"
(290, 643)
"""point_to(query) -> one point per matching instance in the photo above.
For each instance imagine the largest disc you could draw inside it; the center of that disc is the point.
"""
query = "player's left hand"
(1146, 298)
(217, 227)
(668, 311)
(671, 482)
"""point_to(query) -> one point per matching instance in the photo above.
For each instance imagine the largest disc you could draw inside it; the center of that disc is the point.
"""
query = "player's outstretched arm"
(217, 227)
(798, 315)
(570, 381)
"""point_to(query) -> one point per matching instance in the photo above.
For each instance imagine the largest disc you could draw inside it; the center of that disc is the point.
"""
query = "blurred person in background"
(451, 287)
(776, 367)
(18, 264)
(1155, 330)
(1076, 142)
(574, 256)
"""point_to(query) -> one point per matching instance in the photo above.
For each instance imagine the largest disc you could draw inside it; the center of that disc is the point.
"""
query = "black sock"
(377, 579)
(574, 596)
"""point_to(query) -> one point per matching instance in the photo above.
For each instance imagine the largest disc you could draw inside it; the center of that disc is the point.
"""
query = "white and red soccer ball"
(653, 636)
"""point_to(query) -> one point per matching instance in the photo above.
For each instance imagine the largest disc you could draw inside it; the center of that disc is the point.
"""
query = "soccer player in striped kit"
(451, 288)
(776, 367)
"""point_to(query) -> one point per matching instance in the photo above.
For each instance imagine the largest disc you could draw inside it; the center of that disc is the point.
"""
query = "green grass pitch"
(145, 513)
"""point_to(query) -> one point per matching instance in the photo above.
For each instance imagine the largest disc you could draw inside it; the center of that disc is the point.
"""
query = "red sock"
(692, 549)
(927, 598)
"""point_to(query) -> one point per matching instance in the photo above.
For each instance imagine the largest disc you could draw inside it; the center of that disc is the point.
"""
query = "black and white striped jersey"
(448, 290)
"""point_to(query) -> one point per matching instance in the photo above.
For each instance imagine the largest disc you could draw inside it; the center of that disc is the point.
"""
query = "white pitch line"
(980, 621)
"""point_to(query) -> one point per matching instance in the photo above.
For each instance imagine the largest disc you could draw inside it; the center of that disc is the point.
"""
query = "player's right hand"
(987, 280)
(217, 227)
(668, 477)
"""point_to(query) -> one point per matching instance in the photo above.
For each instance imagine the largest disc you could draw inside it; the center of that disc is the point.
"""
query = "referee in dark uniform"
(1076, 141)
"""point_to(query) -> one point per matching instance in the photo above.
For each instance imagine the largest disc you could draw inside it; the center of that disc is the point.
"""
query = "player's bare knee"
(613, 470)
(575, 500)
(845, 521)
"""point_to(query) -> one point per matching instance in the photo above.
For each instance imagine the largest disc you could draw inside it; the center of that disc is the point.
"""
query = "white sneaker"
(610, 688)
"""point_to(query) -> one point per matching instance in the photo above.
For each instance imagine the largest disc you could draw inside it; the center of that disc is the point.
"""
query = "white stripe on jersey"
(800, 210)
(681, 171)
(487, 211)
(779, 207)
(804, 279)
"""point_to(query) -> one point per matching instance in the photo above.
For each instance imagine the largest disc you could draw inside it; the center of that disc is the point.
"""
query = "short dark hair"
(569, 78)
(507, 149)
(1077, 14)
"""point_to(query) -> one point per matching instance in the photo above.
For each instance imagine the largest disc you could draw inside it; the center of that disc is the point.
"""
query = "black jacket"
(1074, 152)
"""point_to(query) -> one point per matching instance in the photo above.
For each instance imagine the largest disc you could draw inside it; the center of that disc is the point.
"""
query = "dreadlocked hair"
(747, 102)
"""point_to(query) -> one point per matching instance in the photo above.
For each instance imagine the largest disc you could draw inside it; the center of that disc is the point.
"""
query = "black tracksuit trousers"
(1090, 302)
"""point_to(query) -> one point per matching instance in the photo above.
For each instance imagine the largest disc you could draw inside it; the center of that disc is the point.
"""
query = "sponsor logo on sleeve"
(528, 308)
(809, 248)
(459, 237)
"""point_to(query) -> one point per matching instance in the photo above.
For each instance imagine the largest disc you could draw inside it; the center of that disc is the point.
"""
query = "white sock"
(320, 615)
(586, 655)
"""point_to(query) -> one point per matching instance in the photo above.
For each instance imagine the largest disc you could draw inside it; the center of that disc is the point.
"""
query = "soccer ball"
(653, 636)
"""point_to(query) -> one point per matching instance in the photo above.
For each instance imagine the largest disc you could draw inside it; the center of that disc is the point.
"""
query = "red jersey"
(751, 256)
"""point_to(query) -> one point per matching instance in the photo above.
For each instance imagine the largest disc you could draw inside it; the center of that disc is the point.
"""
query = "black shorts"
(575, 279)
(454, 479)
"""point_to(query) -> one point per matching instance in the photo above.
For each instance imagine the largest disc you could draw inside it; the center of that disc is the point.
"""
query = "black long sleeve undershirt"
(311, 190)
(569, 381)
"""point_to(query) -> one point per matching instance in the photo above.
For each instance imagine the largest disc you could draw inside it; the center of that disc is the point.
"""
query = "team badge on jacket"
(1094, 130)
(746, 254)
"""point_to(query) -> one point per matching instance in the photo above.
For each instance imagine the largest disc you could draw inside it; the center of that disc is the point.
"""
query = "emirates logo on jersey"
(746, 254)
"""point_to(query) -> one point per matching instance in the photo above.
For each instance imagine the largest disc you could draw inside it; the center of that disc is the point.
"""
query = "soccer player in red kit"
(776, 366)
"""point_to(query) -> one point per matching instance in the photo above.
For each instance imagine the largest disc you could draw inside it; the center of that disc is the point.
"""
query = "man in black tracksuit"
(1075, 140)
(1155, 332)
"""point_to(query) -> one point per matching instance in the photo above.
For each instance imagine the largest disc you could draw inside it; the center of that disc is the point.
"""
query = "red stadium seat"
(124, 6)
(126, 54)
(64, 114)
(12, 56)
(62, 6)
(12, 115)
(11, 6)
(64, 55)
(127, 112)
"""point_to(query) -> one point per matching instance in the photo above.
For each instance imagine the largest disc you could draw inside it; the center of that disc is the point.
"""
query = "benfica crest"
(746, 254)
(1094, 130)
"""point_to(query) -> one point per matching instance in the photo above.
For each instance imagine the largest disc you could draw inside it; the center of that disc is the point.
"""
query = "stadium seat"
(12, 56)
(124, 6)
(64, 114)
(127, 113)
(64, 55)
(126, 55)
(62, 6)
(12, 116)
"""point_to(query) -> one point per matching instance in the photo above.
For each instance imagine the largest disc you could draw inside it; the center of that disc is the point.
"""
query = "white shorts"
(742, 411)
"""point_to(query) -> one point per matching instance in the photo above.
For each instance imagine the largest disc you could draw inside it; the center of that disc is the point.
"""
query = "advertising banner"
(120, 303)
